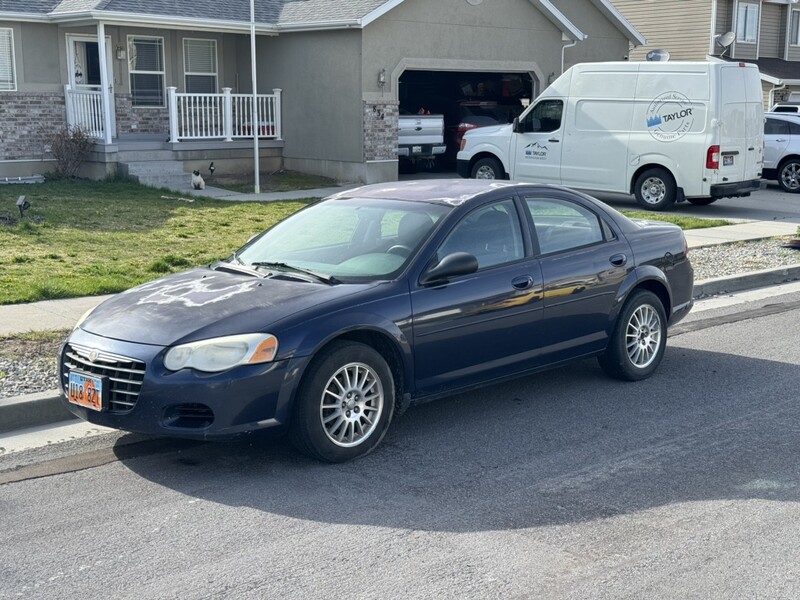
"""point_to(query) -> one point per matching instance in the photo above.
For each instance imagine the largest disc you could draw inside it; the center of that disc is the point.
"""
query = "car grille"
(125, 375)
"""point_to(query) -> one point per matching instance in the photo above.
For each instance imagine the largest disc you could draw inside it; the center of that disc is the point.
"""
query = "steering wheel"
(400, 250)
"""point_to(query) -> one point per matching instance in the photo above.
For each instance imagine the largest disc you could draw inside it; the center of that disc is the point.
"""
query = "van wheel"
(789, 176)
(487, 168)
(702, 201)
(655, 189)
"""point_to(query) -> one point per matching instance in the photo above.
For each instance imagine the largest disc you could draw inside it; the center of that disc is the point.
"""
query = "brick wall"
(140, 119)
(27, 120)
(380, 129)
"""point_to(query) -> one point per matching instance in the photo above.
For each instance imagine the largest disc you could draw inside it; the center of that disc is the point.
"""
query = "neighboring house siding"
(772, 33)
(27, 121)
(724, 17)
(680, 27)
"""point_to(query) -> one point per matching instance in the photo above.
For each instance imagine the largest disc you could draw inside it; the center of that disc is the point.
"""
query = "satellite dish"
(726, 39)
(658, 56)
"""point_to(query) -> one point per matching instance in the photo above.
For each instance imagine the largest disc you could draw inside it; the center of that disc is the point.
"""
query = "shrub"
(70, 147)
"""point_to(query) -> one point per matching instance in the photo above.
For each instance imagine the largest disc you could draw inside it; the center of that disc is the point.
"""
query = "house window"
(747, 23)
(794, 36)
(8, 81)
(200, 66)
(146, 66)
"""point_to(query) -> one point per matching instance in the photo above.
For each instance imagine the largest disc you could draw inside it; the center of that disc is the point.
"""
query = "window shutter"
(7, 80)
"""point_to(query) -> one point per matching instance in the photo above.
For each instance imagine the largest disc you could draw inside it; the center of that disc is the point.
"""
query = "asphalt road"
(562, 485)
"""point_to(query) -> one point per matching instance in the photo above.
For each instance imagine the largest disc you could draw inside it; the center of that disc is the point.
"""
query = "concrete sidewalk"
(45, 408)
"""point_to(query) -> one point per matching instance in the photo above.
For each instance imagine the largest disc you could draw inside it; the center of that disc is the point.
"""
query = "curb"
(32, 410)
(46, 408)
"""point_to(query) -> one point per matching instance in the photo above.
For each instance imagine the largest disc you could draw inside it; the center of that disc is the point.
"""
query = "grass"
(82, 238)
(279, 181)
(33, 343)
(681, 221)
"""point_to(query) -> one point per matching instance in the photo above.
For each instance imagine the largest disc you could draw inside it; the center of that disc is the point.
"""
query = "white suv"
(782, 150)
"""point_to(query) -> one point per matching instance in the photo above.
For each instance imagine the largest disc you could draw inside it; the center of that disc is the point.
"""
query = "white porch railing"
(224, 116)
(85, 110)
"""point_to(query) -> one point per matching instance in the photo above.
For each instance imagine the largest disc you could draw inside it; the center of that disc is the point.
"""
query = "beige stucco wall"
(605, 42)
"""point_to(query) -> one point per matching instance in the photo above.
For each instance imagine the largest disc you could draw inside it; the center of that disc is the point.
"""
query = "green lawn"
(82, 238)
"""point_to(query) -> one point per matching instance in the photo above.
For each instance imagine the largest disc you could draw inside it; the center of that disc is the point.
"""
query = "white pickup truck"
(420, 138)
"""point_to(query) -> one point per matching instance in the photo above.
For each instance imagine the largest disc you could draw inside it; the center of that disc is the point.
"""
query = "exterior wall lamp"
(121, 55)
(382, 78)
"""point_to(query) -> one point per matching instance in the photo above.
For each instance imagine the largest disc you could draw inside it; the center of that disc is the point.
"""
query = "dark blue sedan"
(339, 317)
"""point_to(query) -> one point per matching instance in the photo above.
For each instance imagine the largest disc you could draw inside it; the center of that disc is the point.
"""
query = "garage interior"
(467, 99)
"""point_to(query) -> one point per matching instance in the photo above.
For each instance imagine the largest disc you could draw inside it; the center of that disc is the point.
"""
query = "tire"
(487, 168)
(655, 189)
(643, 322)
(360, 383)
(701, 201)
(789, 175)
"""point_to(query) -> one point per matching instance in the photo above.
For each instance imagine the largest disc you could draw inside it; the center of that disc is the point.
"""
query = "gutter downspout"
(772, 94)
(564, 48)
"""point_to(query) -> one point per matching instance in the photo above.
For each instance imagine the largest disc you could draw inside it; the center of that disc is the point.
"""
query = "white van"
(663, 131)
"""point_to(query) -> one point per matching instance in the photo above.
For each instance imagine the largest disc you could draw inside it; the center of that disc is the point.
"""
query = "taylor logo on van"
(669, 117)
(536, 151)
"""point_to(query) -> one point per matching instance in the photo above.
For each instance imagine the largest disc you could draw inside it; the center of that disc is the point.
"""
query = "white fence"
(224, 116)
(85, 110)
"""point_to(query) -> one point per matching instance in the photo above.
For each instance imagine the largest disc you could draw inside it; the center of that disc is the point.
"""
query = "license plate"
(727, 161)
(416, 149)
(86, 390)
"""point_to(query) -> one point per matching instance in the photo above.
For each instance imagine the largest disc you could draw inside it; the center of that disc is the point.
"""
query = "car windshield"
(350, 239)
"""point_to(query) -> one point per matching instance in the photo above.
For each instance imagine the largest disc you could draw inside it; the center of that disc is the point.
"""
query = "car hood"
(488, 130)
(205, 303)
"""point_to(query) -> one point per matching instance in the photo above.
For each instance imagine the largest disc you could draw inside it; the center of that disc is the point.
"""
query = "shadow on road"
(561, 447)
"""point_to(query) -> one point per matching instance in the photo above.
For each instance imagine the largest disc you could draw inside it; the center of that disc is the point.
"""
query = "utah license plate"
(86, 390)
(727, 161)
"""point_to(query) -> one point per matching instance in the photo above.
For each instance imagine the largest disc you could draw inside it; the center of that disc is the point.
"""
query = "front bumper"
(191, 404)
(738, 188)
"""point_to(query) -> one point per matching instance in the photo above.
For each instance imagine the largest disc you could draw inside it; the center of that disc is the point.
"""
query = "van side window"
(544, 118)
(562, 225)
(776, 127)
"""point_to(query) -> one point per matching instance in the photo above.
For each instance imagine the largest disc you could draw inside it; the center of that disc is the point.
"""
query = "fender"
(633, 280)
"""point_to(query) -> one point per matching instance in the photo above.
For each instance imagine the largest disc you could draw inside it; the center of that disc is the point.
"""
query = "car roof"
(453, 192)
(785, 116)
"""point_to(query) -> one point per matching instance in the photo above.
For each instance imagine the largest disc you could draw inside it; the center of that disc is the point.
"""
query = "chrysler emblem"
(93, 355)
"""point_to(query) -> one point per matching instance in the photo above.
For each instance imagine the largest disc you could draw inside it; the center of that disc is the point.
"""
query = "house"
(170, 82)
(765, 32)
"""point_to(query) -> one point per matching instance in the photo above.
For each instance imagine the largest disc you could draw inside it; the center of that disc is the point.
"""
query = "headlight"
(221, 354)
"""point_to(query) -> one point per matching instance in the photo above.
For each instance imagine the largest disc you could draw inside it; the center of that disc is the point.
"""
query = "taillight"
(685, 246)
(712, 157)
(466, 126)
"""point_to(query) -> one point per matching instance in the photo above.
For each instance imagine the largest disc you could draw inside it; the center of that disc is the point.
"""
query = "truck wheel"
(789, 176)
(702, 201)
(487, 168)
(655, 189)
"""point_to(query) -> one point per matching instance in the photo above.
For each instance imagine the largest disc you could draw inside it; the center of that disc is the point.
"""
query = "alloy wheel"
(643, 336)
(352, 403)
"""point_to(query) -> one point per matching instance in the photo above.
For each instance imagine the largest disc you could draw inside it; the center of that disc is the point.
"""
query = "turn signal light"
(712, 157)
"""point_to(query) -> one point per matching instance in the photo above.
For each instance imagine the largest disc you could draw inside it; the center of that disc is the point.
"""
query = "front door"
(83, 64)
(537, 145)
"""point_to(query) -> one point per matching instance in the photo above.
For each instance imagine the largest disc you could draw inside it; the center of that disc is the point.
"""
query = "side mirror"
(452, 265)
(515, 126)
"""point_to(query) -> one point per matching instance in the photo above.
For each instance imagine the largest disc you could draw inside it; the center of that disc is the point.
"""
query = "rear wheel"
(789, 176)
(487, 168)
(639, 339)
(702, 201)
(655, 189)
(344, 405)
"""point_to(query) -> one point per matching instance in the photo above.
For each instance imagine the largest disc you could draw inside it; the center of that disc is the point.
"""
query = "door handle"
(618, 260)
(523, 282)
(554, 140)
(778, 140)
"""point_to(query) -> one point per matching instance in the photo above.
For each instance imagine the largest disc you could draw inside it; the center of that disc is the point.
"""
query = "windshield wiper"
(323, 277)
(236, 268)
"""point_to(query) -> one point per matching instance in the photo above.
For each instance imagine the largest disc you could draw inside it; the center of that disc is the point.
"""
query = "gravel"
(35, 372)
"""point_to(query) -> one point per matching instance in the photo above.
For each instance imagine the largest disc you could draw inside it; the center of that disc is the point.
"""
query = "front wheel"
(487, 168)
(789, 176)
(344, 405)
(639, 338)
(655, 189)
